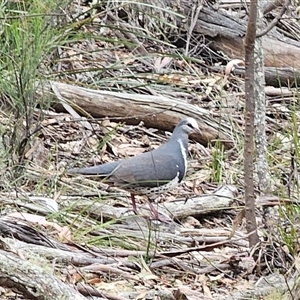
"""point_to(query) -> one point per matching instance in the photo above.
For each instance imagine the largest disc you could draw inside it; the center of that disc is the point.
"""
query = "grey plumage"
(151, 172)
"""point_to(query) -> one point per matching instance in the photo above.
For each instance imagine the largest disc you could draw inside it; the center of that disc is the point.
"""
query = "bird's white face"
(191, 126)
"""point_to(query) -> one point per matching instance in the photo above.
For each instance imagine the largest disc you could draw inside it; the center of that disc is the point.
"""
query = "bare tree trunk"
(262, 167)
(249, 126)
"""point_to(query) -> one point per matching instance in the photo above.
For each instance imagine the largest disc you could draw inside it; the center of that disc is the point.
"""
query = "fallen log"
(31, 280)
(154, 111)
(226, 34)
(182, 23)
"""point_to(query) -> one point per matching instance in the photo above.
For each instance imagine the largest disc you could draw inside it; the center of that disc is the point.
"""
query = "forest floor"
(88, 236)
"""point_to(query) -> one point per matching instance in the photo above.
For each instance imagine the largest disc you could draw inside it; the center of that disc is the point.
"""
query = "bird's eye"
(190, 125)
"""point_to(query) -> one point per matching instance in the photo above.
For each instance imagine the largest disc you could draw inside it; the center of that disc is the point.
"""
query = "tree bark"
(249, 126)
(262, 167)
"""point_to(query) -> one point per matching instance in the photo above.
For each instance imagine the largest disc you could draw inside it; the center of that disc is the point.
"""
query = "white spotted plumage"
(156, 190)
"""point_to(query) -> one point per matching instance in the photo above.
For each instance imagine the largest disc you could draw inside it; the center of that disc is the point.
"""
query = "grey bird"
(149, 173)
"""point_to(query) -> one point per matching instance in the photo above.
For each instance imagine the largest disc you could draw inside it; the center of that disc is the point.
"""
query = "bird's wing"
(100, 170)
(148, 169)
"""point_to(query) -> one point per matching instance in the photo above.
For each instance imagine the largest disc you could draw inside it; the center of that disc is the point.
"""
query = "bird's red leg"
(133, 204)
(154, 210)
(158, 216)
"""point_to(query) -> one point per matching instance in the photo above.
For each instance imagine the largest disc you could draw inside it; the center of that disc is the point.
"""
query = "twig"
(194, 18)
(276, 20)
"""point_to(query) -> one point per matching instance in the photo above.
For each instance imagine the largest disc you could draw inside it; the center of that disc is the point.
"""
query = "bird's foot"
(163, 219)
(159, 216)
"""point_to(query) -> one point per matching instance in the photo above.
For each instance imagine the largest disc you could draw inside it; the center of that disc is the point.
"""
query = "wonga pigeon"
(152, 172)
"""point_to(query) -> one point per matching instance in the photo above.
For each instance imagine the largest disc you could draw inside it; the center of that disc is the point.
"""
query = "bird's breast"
(156, 189)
